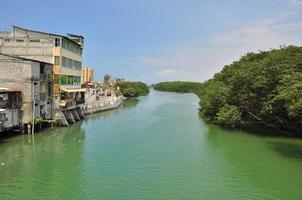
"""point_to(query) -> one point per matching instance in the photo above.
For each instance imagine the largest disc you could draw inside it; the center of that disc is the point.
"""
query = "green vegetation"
(38, 120)
(133, 89)
(260, 89)
(179, 86)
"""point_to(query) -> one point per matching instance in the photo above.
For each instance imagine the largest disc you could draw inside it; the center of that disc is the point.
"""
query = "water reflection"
(130, 102)
(51, 159)
(262, 164)
(287, 149)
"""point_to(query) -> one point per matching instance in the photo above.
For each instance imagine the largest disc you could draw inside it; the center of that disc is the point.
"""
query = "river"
(154, 148)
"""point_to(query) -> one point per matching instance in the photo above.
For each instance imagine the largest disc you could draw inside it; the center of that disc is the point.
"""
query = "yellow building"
(87, 75)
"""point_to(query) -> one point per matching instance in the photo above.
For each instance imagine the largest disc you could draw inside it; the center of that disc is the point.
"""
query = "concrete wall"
(11, 44)
(22, 75)
(46, 92)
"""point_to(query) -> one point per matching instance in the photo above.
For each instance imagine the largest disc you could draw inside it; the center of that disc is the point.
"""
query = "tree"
(107, 78)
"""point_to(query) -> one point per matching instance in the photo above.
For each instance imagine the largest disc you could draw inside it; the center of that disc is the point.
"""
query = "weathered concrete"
(75, 115)
(80, 113)
(102, 105)
(69, 117)
(31, 78)
(61, 119)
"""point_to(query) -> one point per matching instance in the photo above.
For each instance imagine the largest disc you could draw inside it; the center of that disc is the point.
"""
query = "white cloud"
(199, 60)
(166, 72)
(295, 2)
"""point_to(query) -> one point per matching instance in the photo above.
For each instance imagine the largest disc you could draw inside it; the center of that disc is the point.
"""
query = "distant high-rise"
(87, 75)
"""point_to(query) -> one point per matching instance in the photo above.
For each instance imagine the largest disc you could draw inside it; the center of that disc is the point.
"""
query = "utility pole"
(34, 109)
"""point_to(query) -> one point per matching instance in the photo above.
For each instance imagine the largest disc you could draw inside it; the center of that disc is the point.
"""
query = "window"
(69, 61)
(77, 79)
(71, 46)
(64, 61)
(49, 88)
(64, 79)
(57, 42)
(18, 40)
(41, 68)
(6, 40)
(70, 80)
(57, 60)
(72, 64)
(34, 40)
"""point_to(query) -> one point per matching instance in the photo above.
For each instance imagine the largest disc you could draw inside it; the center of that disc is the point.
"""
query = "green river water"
(157, 148)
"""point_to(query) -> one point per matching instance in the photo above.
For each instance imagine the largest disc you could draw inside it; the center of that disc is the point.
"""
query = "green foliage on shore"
(133, 89)
(179, 86)
(260, 89)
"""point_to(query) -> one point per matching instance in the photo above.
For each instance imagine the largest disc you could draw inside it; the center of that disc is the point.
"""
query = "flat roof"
(51, 34)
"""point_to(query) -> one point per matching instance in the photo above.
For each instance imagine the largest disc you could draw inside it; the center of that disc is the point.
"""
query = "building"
(26, 89)
(87, 75)
(10, 109)
(64, 52)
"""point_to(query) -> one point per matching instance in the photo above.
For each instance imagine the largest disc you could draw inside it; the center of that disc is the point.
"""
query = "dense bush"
(133, 89)
(261, 88)
(228, 116)
(179, 86)
(129, 92)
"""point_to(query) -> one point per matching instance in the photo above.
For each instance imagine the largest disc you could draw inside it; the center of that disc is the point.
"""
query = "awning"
(73, 90)
(2, 89)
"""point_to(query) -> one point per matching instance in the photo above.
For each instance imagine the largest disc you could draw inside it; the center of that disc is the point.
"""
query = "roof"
(7, 90)
(76, 36)
(27, 59)
(53, 34)
(73, 90)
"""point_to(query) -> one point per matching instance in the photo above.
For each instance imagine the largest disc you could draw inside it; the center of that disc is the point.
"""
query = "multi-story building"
(87, 75)
(26, 91)
(64, 52)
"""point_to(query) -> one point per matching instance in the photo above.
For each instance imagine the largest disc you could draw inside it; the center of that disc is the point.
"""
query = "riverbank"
(102, 103)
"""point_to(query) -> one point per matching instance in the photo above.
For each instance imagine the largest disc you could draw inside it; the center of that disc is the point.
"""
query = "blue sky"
(156, 40)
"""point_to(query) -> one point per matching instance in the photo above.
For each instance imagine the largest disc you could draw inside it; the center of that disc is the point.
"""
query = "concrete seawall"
(103, 105)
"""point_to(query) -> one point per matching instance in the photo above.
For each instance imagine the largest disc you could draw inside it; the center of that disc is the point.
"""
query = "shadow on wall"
(289, 150)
